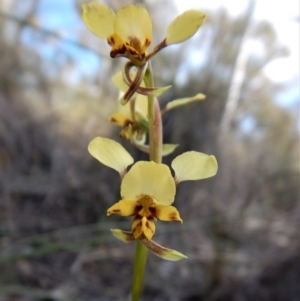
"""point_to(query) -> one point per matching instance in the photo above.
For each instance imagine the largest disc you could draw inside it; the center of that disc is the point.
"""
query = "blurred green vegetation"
(241, 228)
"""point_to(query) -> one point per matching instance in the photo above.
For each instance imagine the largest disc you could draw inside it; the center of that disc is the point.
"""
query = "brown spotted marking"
(153, 211)
(173, 216)
(111, 40)
(147, 42)
(127, 122)
(132, 51)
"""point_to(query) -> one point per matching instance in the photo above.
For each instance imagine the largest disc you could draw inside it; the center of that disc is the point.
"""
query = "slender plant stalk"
(155, 143)
(141, 254)
(155, 124)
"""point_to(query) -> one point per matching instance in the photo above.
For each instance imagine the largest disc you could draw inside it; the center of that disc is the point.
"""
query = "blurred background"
(241, 227)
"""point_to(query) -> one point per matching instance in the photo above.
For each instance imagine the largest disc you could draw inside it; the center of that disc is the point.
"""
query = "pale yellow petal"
(164, 253)
(166, 213)
(124, 109)
(141, 105)
(110, 153)
(149, 178)
(194, 166)
(184, 101)
(143, 226)
(99, 19)
(184, 26)
(123, 116)
(124, 236)
(119, 81)
(133, 22)
(123, 208)
(119, 119)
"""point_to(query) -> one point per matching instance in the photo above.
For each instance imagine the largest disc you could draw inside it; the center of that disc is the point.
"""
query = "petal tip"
(184, 26)
(164, 253)
(194, 165)
(124, 236)
(110, 153)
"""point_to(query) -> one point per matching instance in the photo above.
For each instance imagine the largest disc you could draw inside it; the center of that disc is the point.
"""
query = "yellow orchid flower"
(133, 114)
(129, 31)
(147, 192)
(148, 188)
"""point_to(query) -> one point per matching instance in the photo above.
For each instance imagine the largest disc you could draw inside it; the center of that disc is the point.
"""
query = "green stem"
(141, 254)
(155, 123)
(155, 144)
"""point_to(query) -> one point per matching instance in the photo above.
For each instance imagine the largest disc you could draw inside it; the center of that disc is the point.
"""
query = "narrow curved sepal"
(110, 153)
(158, 250)
(167, 149)
(124, 85)
(183, 101)
(184, 26)
(164, 253)
(134, 84)
(154, 91)
(194, 166)
(124, 236)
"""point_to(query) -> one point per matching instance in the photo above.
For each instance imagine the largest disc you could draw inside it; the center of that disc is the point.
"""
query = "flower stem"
(155, 123)
(141, 255)
(155, 143)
